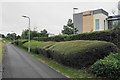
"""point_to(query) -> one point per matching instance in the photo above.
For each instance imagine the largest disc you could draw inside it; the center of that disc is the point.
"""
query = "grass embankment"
(79, 53)
(65, 70)
(1, 52)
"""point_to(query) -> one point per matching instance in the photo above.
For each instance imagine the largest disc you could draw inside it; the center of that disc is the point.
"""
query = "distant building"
(112, 20)
(94, 20)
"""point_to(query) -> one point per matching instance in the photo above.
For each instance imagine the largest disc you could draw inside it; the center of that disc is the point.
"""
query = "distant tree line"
(67, 29)
(25, 34)
(2, 36)
(34, 33)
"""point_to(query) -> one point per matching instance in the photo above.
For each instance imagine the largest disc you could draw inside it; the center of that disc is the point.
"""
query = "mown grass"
(0, 51)
(65, 70)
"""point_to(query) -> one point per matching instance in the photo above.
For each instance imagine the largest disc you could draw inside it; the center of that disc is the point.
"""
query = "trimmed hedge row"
(57, 38)
(107, 67)
(79, 53)
(107, 35)
(19, 41)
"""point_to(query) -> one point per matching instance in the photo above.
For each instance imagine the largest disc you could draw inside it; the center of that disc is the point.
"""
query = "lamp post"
(73, 19)
(29, 33)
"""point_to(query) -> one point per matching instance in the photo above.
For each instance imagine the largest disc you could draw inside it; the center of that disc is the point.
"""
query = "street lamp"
(73, 19)
(29, 33)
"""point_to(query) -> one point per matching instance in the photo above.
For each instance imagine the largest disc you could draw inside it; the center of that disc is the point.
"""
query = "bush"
(57, 38)
(19, 41)
(107, 35)
(107, 67)
(40, 38)
(79, 53)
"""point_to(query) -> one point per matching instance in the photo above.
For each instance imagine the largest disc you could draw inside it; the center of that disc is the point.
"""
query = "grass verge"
(65, 70)
(1, 53)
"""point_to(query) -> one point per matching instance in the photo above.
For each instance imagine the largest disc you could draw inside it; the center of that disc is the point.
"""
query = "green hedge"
(107, 67)
(57, 38)
(107, 35)
(19, 41)
(79, 53)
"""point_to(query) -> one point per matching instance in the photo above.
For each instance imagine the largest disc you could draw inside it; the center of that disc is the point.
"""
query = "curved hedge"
(56, 38)
(20, 41)
(107, 35)
(107, 67)
(79, 53)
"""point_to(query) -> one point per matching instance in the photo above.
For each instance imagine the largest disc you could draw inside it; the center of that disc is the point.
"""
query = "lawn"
(0, 51)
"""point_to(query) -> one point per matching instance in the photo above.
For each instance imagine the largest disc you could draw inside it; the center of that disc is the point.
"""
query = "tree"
(2, 36)
(34, 33)
(44, 33)
(18, 37)
(69, 28)
(11, 36)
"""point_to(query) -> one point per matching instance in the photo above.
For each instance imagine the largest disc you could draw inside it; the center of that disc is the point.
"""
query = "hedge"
(57, 38)
(108, 67)
(107, 35)
(19, 41)
(79, 53)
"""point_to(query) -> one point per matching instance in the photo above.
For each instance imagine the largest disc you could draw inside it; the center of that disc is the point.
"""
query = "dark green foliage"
(78, 54)
(34, 33)
(69, 28)
(40, 38)
(57, 38)
(20, 42)
(44, 33)
(2, 36)
(11, 36)
(107, 35)
(107, 67)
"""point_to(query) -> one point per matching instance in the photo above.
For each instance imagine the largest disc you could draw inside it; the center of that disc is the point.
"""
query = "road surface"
(18, 64)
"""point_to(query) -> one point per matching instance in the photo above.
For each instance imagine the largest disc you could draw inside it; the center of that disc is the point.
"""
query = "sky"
(48, 14)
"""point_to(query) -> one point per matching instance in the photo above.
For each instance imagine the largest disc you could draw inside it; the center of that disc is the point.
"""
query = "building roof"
(100, 11)
(96, 12)
(116, 17)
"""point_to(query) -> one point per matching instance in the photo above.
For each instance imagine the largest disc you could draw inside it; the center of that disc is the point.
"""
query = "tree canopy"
(69, 28)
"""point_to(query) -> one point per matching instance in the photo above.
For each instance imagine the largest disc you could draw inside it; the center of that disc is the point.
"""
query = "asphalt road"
(19, 64)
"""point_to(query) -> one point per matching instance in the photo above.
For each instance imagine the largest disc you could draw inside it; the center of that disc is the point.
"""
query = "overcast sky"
(50, 15)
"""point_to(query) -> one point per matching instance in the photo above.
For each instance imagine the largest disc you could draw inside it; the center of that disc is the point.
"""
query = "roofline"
(93, 11)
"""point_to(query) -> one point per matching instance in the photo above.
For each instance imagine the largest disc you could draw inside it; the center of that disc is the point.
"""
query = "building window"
(97, 24)
(104, 24)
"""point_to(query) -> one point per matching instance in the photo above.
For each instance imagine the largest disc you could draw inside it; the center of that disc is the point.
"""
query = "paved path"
(18, 64)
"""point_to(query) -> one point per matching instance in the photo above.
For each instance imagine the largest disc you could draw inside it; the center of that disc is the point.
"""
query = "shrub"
(107, 67)
(107, 35)
(20, 41)
(57, 38)
(40, 38)
(79, 53)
